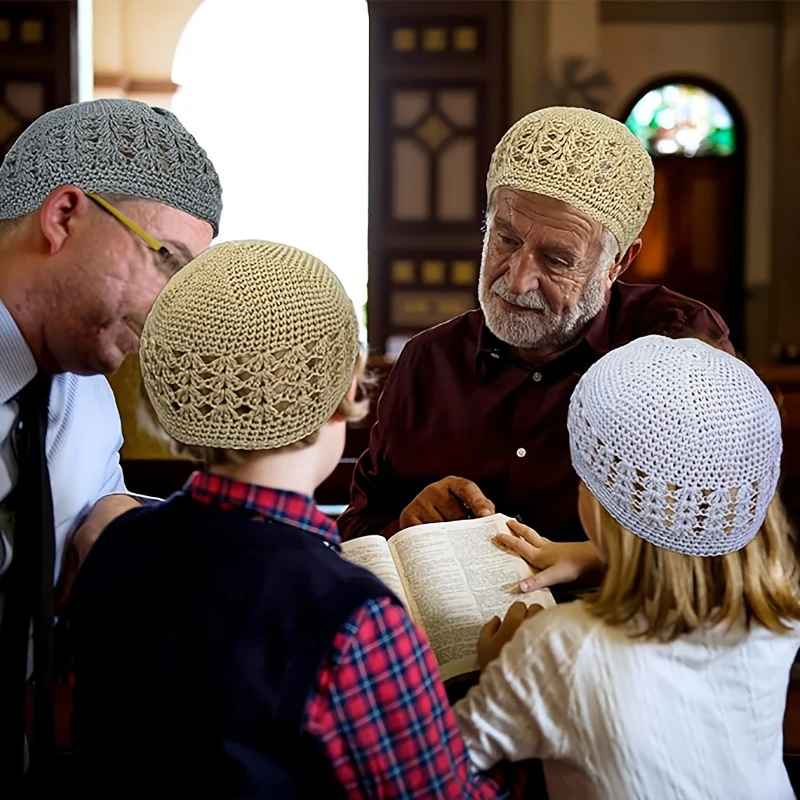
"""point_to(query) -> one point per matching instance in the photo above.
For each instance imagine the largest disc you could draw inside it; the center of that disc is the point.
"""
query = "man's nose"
(524, 273)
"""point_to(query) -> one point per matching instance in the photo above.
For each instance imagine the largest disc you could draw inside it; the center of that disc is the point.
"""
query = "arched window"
(682, 119)
(693, 240)
(276, 91)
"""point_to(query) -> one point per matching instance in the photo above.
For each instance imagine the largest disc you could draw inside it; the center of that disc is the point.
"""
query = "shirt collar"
(17, 364)
(279, 505)
(487, 343)
(596, 337)
(597, 333)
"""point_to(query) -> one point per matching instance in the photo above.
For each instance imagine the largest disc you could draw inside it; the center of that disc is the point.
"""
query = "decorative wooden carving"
(437, 108)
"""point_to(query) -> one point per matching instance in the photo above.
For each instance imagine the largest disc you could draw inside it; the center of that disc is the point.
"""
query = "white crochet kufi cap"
(251, 346)
(583, 158)
(680, 443)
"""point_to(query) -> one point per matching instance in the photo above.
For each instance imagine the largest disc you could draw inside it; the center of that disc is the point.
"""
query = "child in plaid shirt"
(224, 647)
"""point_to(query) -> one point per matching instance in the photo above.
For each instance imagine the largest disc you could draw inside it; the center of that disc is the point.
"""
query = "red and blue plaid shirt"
(379, 709)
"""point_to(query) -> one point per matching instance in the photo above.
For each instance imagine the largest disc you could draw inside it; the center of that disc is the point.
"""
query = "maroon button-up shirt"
(458, 402)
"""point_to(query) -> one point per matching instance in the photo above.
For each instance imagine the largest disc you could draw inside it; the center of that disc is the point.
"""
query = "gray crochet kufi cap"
(114, 146)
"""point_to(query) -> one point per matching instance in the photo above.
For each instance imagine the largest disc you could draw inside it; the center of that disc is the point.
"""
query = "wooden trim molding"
(131, 85)
(104, 80)
(152, 86)
(689, 11)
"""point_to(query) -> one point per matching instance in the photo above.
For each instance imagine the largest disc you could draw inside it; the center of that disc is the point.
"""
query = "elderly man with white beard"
(473, 417)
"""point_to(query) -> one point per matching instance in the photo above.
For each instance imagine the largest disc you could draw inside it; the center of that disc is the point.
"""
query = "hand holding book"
(449, 499)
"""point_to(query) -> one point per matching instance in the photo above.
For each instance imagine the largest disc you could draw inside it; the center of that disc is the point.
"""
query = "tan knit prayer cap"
(592, 162)
(251, 346)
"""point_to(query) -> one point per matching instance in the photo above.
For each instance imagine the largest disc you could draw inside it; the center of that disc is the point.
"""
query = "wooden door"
(693, 239)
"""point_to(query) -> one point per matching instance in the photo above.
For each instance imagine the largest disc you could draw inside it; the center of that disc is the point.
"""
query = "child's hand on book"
(448, 499)
(495, 634)
(557, 562)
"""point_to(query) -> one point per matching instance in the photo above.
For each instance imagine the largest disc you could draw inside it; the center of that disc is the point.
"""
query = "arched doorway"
(694, 238)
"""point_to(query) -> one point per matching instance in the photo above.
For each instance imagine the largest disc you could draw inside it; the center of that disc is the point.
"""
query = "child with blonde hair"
(670, 681)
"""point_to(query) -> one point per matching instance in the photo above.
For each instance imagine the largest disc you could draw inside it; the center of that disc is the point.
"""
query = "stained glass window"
(678, 119)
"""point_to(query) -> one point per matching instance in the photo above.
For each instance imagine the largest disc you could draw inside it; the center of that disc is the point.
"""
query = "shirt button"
(521, 452)
(537, 376)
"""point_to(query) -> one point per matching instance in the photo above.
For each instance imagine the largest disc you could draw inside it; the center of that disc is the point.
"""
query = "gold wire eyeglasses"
(173, 263)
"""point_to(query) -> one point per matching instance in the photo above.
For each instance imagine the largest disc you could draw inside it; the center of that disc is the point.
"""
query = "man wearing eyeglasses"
(100, 204)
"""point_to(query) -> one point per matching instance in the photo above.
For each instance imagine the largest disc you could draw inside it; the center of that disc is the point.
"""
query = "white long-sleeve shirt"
(615, 718)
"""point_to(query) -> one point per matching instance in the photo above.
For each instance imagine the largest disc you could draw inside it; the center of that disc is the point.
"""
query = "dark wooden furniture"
(784, 383)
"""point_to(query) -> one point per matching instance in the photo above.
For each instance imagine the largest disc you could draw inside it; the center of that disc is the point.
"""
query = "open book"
(453, 578)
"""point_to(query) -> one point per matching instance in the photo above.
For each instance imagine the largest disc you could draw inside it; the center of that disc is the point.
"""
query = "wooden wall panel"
(438, 105)
(38, 62)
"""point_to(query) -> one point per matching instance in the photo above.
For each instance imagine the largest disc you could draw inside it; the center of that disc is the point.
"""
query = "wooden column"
(786, 205)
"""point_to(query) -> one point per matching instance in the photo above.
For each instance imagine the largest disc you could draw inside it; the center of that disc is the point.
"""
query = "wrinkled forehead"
(530, 215)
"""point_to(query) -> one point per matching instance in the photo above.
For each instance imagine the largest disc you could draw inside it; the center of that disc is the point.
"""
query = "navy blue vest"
(198, 637)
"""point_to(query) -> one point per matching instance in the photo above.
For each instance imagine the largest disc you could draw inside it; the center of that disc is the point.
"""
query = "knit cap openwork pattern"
(251, 346)
(585, 159)
(679, 441)
(114, 146)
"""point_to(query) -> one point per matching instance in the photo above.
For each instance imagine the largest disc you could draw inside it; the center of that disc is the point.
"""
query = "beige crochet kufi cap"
(251, 346)
(583, 158)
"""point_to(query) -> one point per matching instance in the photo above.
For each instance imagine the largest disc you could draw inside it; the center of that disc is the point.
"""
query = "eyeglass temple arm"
(149, 240)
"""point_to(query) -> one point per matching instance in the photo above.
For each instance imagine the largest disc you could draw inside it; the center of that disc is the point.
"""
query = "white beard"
(533, 325)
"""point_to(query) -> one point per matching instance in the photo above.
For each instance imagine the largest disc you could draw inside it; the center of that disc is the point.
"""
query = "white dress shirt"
(84, 436)
(616, 718)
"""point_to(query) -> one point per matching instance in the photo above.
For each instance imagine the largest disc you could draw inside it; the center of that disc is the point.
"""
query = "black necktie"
(28, 585)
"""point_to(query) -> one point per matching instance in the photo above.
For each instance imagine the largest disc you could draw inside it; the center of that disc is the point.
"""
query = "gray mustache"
(533, 300)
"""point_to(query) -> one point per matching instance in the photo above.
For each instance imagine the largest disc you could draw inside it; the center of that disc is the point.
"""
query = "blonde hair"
(675, 593)
(349, 410)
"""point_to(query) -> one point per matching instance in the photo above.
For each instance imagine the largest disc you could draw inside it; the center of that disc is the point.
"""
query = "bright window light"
(276, 91)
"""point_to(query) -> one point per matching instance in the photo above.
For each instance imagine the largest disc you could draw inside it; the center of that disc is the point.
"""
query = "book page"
(457, 578)
(372, 553)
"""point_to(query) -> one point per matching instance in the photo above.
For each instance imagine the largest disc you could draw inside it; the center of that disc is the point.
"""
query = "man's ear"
(57, 215)
(620, 266)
